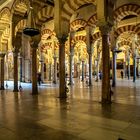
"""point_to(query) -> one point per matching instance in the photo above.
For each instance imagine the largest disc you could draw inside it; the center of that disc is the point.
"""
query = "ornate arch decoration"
(128, 28)
(5, 35)
(125, 10)
(20, 7)
(71, 6)
(45, 14)
(122, 43)
(78, 38)
(77, 24)
(46, 31)
(45, 46)
(93, 20)
(5, 14)
(20, 26)
(96, 36)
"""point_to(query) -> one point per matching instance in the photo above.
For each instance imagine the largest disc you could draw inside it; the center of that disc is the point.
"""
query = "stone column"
(82, 71)
(34, 70)
(50, 71)
(113, 68)
(20, 61)
(15, 53)
(128, 69)
(55, 70)
(71, 64)
(2, 55)
(42, 70)
(62, 82)
(134, 68)
(106, 94)
(90, 68)
(89, 50)
(124, 68)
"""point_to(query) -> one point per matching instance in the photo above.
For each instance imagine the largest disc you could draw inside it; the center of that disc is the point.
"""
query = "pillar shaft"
(34, 71)
(134, 68)
(113, 69)
(55, 71)
(70, 69)
(42, 71)
(82, 70)
(106, 94)
(124, 69)
(90, 69)
(50, 71)
(15, 72)
(62, 82)
(128, 69)
(20, 60)
(2, 71)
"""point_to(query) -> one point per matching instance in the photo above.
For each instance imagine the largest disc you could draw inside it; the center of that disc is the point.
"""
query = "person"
(39, 79)
(122, 74)
(100, 75)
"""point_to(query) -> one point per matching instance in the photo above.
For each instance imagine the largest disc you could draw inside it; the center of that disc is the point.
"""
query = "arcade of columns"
(73, 41)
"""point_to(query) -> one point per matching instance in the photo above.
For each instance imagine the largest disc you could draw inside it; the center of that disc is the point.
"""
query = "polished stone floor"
(80, 117)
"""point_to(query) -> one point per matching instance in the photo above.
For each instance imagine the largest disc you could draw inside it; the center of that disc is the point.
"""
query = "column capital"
(62, 38)
(2, 54)
(105, 28)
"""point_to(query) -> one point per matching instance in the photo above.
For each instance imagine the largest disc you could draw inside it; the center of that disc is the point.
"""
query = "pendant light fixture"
(31, 29)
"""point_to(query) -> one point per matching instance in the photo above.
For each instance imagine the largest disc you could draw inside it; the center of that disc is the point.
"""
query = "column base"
(54, 82)
(71, 83)
(62, 97)
(15, 90)
(34, 93)
(105, 101)
(2, 88)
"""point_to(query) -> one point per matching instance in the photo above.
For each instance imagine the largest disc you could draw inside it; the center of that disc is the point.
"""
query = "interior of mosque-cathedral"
(81, 39)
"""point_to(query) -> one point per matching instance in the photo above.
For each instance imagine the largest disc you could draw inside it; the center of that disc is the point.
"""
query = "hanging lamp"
(31, 29)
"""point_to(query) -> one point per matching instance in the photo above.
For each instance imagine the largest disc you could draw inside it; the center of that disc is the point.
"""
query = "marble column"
(113, 68)
(50, 71)
(89, 50)
(90, 68)
(71, 64)
(134, 68)
(62, 73)
(15, 53)
(20, 61)
(83, 70)
(106, 94)
(42, 70)
(124, 69)
(55, 70)
(34, 70)
(128, 67)
(2, 55)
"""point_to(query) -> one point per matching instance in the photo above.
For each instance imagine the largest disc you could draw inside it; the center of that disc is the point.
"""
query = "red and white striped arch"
(78, 23)
(46, 46)
(122, 43)
(96, 36)
(71, 6)
(92, 20)
(20, 26)
(46, 33)
(77, 39)
(44, 14)
(125, 10)
(128, 28)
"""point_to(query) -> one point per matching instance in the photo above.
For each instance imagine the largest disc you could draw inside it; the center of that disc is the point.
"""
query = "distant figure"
(39, 78)
(100, 75)
(122, 74)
